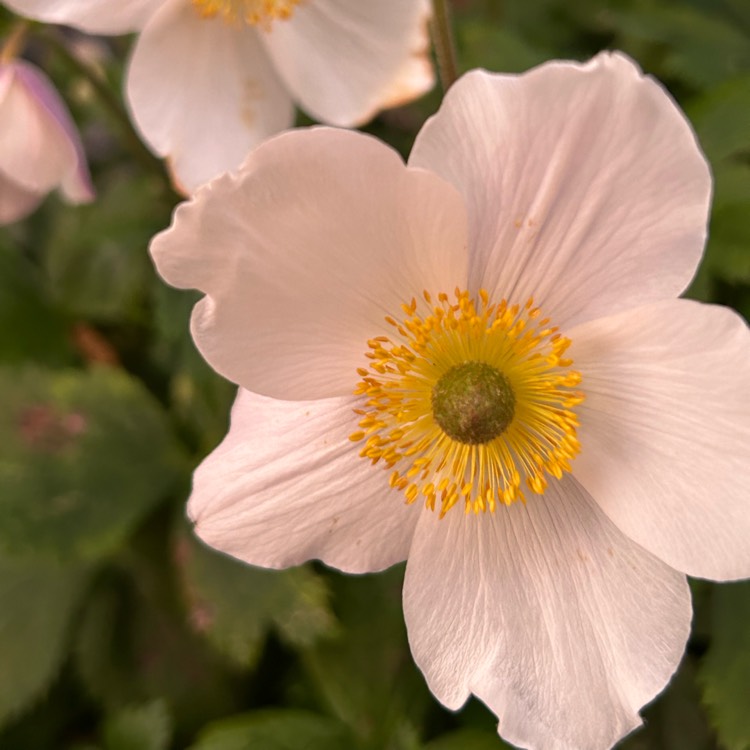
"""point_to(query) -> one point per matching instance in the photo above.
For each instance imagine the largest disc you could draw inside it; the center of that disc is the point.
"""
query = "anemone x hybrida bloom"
(40, 149)
(477, 363)
(210, 79)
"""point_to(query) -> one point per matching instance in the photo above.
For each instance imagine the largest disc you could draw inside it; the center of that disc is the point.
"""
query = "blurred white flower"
(492, 334)
(210, 79)
(40, 149)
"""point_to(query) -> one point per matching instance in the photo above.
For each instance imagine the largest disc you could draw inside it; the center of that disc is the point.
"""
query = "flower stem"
(14, 43)
(442, 40)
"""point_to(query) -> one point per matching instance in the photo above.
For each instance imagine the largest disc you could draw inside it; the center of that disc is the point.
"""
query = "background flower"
(40, 149)
(204, 85)
(570, 184)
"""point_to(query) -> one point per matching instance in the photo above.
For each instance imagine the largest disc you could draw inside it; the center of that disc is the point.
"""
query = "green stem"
(14, 43)
(442, 40)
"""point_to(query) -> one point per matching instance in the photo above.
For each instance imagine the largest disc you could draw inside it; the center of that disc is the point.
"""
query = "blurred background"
(118, 631)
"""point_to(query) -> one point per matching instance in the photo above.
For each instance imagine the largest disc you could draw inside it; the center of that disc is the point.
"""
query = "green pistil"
(473, 403)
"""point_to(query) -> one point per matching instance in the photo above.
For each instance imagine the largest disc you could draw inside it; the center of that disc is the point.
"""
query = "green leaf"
(133, 644)
(274, 730)
(366, 676)
(199, 397)
(30, 328)
(725, 671)
(145, 727)
(6, 21)
(467, 739)
(683, 721)
(483, 45)
(96, 256)
(721, 117)
(85, 456)
(738, 11)
(37, 602)
(696, 46)
(731, 184)
(728, 250)
(235, 604)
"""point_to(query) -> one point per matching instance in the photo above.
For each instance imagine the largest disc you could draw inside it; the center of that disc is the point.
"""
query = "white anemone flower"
(40, 149)
(477, 363)
(210, 79)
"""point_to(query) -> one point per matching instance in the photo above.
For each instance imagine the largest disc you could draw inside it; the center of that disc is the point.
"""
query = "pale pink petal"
(343, 60)
(94, 16)
(15, 202)
(287, 485)
(548, 614)
(39, 145)
(34, 151)
(585, 186)
(76, 182)
(665, 431)
(302, 255)
(203, 93)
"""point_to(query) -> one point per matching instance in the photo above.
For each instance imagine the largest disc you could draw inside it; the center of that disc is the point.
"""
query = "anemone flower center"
(473, 403)
(254, 12)
(469, 399)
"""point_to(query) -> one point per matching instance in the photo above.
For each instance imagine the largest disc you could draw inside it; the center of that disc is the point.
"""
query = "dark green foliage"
(466, 739)
(365, 676)
(86, 454)
(120, 631)
(725, 669)
(235, 605)
(146, 727)
(37, 605)
(274, 730)
(31, 330)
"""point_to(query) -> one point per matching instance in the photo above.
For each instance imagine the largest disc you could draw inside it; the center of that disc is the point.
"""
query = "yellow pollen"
(254, 12)
(437, 334)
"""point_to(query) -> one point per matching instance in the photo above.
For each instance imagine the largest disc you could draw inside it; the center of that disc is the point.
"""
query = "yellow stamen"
(254, 12)
(397, 415)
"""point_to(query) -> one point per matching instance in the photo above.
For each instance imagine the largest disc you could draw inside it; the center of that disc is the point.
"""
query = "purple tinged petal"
(40, 148)
(77, 187)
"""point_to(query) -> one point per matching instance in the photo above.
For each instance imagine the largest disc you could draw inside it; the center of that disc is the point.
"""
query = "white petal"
(34, 150)
(15, 202)
(548, 614)
(415, 77)
(76, 181)
(320, 236)
(665, 431)
(343, 60)
(39, 144)
(584, 184)
(203, 93)
(94, 16)
(287, 485)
